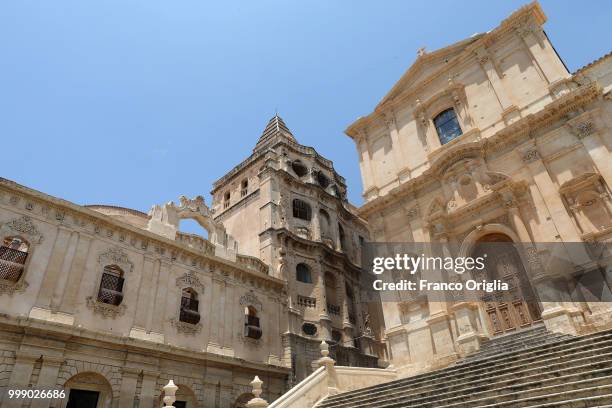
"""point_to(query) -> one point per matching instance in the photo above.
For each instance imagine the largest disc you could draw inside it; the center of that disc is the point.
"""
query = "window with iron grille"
(301, 210)
(111, 285)
(13, 255)
(189, 307)
(252, 328)
(447, 126)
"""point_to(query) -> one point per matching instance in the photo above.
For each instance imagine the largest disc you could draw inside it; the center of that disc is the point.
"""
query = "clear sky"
(133, 103)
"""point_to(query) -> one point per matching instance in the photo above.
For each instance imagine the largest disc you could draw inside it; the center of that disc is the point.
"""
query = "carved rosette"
(186, 328)
(104, 309)
(530, 156)
(586, 124)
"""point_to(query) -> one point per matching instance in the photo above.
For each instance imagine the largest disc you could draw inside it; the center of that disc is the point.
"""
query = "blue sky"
(133, 103)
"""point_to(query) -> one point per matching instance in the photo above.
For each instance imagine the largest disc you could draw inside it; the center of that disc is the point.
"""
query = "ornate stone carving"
(189, 279)
(25, 227)
(104, 309)
(116, 256)
(9, 287)
(249, 299)
(530, 156)
(186, 328)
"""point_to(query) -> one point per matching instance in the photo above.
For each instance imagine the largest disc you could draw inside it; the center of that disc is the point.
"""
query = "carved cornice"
(94, 225)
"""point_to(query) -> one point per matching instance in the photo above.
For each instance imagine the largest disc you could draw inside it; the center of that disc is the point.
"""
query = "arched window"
(226, 199)
(324, 224)
(302, 273)
(447, 126)
(322, 180)
(13, 255)
(299, 169)
(111, 285)
(252, 328)
(301, 210)
(244, 188)
(189, 307)
(342, 237)
(331, 290)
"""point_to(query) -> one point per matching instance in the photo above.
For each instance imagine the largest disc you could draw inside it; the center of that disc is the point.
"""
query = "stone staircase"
(532, 368)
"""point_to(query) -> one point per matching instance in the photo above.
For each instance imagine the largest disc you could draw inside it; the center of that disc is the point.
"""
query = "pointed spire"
(275, 127)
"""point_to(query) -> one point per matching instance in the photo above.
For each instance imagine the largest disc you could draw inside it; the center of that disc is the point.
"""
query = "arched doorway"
(88, 390)
(516, 308)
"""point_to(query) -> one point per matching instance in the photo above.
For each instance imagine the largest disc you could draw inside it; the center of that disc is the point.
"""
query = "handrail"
(318, 377)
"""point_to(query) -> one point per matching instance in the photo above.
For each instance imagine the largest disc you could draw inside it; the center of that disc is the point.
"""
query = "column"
(439, 321)
(509, 110)
(365, 164)
(47, 379)
(159, 305)
(324, 319)
(153, 295)
(561, 219)
(589, 128)
(20, 377)
(542, 54)
(127, 392)
(69, 295)
(54, 267)
(399, 155)
(147, 391)
(62, 279)
(144, 292)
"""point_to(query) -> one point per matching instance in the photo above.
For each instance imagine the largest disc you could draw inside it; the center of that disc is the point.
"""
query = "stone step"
(479, 355)
(559, 352)
(555, 373)
(534, 389)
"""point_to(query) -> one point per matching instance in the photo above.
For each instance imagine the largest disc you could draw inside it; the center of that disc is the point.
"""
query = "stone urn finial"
(170, 393)
(324, 349)
(257, 402)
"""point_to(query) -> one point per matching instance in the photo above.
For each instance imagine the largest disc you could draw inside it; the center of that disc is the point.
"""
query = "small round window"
(322, 180)
(309, 329)
(299, 169)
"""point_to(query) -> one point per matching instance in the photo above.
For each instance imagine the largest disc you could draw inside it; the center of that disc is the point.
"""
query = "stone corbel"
(530, 27)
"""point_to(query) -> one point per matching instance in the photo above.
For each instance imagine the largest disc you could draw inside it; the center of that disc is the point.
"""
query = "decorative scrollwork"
(186, 328)
(104, 309)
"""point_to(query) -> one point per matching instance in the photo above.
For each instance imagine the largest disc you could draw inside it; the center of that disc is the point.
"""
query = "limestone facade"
(289, 206)
(110, 303)
(489, 138)
(62, 328)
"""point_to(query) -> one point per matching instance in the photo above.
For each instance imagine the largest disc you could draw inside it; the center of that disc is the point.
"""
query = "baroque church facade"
(109, 303)
(491, 139)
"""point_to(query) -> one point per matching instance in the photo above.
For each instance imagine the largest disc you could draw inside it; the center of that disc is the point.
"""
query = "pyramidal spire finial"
(276, 127)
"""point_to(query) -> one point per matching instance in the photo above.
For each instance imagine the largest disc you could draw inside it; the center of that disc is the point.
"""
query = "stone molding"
(104, 309)
(190, 279)
(186, 328)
